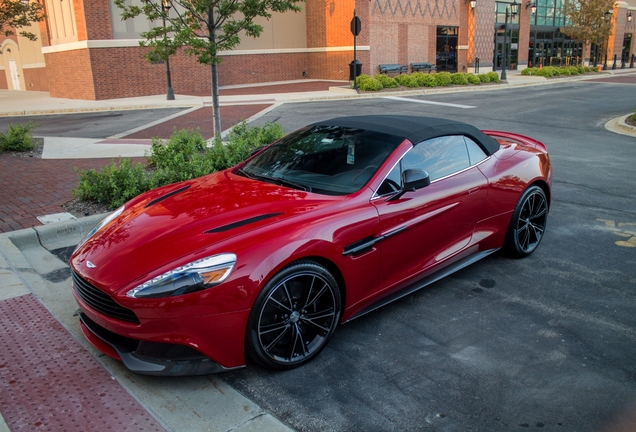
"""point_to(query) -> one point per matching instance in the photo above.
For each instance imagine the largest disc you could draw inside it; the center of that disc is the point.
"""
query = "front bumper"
(149, 358)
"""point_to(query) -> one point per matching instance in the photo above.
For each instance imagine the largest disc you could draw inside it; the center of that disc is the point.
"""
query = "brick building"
(85, 51)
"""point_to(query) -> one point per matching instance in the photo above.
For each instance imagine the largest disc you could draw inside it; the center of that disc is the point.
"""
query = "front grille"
(100, 301)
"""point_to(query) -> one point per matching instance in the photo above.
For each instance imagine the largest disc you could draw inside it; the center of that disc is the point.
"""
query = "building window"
(446, 56)
(549, 13)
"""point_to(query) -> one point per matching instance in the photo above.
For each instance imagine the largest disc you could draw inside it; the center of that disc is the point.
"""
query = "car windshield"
(331, 160)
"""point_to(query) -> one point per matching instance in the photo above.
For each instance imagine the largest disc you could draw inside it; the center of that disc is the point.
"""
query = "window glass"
(475, 153)
(439, 157)
(331, 160)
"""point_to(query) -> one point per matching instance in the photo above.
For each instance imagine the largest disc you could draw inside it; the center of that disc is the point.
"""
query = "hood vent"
(242, 223)
(166, 196)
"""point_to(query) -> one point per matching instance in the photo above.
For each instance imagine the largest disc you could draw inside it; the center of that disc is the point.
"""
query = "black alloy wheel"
(294, 316)
(528, 223)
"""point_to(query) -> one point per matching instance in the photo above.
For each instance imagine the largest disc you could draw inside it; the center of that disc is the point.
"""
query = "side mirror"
(412, 179)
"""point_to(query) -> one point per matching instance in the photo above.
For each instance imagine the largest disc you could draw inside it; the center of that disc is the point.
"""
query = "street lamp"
(511, 11)
(608, 17)
(165, 8)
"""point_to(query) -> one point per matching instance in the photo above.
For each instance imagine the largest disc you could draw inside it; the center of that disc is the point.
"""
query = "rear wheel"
(294, 316)
(528, 223)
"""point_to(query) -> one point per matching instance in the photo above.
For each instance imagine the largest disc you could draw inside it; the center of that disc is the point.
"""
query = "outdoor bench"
(423, 67)
(396, 68)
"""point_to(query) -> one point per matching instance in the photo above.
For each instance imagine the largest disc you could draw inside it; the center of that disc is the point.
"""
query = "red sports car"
(266, 259)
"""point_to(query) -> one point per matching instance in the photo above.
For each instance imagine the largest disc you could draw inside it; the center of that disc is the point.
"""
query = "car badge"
(90, 264)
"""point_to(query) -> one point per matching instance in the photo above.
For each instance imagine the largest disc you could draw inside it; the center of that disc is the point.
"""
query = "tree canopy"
(204, 28)
(588, 20)
(16, 14)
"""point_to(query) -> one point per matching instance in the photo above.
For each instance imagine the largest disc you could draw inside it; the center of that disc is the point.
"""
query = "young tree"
(204, 28)
(15, 14)
(588, 21)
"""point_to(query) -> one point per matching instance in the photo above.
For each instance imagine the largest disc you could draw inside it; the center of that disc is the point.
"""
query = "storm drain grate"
(48, 381)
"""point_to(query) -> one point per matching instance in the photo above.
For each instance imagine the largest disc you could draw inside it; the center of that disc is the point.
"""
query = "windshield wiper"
(276, 180)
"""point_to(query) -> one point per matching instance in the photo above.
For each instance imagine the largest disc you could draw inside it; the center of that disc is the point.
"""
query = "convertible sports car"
(266, 259)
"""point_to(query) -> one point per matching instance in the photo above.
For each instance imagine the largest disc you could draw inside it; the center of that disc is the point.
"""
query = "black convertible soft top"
(415, 128)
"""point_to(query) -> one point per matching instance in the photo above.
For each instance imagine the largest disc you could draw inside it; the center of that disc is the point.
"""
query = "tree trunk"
(215, 100)
(214, 70)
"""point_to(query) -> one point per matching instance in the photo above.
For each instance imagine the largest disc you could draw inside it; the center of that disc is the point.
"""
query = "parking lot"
(547, 342)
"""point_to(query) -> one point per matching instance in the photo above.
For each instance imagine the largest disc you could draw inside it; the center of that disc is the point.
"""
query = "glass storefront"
(446, 55)
(550, 47)
(511, 37)
(627, 43)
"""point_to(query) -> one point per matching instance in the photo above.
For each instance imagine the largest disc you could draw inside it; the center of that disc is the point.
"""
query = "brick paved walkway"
(49, 382)
(202, 119)
(36, 187)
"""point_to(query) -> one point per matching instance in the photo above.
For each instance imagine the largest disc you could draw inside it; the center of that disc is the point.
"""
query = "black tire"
(528, 223)
(294, 316)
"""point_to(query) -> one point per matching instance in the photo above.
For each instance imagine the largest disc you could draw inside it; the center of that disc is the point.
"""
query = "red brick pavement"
(619, 79)
(202, 119)
(50, 383)
(31, 187)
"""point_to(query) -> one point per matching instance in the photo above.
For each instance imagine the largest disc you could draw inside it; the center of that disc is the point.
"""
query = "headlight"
(108, 219)
(197, 275)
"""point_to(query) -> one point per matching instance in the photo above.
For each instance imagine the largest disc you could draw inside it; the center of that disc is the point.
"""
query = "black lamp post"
(511, 11)
(165, 8)
(608, 17)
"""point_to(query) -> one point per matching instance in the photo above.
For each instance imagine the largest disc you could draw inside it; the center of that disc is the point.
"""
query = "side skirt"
(446, 271)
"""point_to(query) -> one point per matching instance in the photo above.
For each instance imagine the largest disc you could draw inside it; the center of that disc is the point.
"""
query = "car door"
(426, 227)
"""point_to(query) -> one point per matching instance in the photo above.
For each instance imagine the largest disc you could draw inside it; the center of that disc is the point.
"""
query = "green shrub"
(386, 81)
(473, 79)
(367, 83)
(530, 71)
(184, 156)
(459, 79)
(19, 137)
(242, 141)
(425, 80)
(494, 76)
(485, 78)
(634, 116)
(114, 185)
(181, 158)
(442, 79)
(407, 81)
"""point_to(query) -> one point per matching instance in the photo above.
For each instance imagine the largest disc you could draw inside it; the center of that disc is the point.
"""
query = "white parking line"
(429, 102)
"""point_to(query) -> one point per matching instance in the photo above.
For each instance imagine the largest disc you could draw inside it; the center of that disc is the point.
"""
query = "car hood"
(176, 224)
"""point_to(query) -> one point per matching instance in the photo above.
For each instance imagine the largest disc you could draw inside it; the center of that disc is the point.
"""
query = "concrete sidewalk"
(50, 377)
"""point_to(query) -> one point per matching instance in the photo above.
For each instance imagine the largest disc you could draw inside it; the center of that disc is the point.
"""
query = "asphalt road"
(547, 342)
(90, 125)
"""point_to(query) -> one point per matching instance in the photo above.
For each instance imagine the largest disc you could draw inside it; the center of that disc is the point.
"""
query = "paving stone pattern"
(49, 382)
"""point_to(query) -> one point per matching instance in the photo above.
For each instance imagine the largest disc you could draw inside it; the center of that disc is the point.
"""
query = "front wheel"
(528, 223)
(294, 316)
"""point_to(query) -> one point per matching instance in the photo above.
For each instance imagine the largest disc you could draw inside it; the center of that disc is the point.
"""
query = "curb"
(55, 235)
(619, 126)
